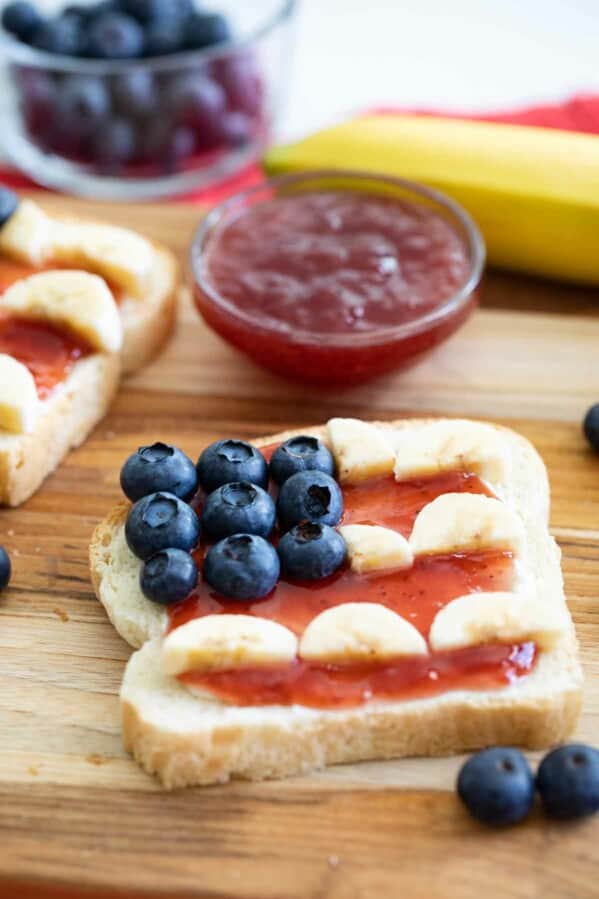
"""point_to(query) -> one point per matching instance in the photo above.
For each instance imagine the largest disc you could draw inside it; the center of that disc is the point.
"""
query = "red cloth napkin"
(578, 113)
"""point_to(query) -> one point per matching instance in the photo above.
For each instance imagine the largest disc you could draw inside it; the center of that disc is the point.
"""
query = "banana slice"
(26, 236)
(19, 402)
(220, 642)
(77, 300)
(360, 449)
(496, 618)
(456, 522)
(120, 255)
(372, 548)
(360, 632)
(452, 446)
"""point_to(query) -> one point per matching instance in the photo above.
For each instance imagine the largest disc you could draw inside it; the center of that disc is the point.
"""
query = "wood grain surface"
(78, 818)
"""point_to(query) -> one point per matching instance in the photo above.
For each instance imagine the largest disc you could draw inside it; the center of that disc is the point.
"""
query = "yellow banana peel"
(534, 192)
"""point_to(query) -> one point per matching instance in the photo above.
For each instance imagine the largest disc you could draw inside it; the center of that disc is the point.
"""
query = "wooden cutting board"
(76, 813)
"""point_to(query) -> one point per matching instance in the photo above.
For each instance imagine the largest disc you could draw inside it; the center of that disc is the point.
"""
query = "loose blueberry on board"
(159, 467)
(21, 19)
(243, 566)
(168, 576)
(238, 507)
(497, 786)
(568, 781)
(114, 145)
(310, 496)
(161, 521)
(115, 36)
(231, 460)
(205, 30)
(8, 204)
(302, 453)
(311, 551)
(591, 426)
(5, 568)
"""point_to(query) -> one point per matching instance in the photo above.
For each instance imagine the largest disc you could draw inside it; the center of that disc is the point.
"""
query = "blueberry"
(147, 11)
(497, 786)
(161, 521)
(8, 204)
(243, 566)
(239, 79)
(591, 426)
(158, 467)
(300, 454)
(162, 37)
(134, 94)
(311, 551)
(197, 101)
(568, 781)
(114, 36)
(167, 145)
(235, 129)
(310, 496)
(115, 145)
(168, 576)
(5, 568)
(205, 30)
(231, 460)
(238, 507)
(61, 36)
(95, 10)
(21, 19)
(83, 105)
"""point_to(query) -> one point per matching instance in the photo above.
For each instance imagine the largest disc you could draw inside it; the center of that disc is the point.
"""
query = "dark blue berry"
(115, 145)
(243, 566)
(239, 507)
(5, 568)
(147, 11)
(497, 786)
(162, 37)
(591, 426)
(231, 460)
(310, 496)
(134, 94)
(568, 781)
(205, 30)
(198, 102)
(168, 576)
(83, 105)
(95, 10)
(158, 467)
(300, 454)
(38, 95)
(235, 129)
(115, 36)
(311, 551)
(8, 204)
(239, 78)
(161, 521)
(61, 36)
(21, 19)
(166, 145)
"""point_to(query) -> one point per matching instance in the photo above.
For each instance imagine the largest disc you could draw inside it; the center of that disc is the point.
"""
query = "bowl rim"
(18, 52)
(474, 244)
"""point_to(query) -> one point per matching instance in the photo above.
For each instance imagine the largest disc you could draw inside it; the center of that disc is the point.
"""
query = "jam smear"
(49, 352)
(329, 686)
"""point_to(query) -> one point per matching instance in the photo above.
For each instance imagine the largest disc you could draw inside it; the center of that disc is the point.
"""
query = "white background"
(465, 54)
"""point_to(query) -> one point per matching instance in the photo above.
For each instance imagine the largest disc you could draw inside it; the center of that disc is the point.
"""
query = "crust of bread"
(186, 738)
(66, 418)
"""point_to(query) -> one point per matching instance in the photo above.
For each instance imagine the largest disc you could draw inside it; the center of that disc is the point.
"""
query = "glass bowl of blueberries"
(131, 99)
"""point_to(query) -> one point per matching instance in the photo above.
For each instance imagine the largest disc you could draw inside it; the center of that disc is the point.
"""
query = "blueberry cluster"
(141, 118)
(238, 517)
(497, 785)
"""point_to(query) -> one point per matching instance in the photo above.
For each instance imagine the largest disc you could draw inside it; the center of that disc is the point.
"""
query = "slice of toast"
(147, 289)
(189, 738)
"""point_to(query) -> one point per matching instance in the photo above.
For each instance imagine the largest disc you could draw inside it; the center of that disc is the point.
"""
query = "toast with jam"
(356, 591)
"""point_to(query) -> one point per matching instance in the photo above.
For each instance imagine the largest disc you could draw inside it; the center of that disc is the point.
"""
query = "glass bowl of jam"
(333, 278)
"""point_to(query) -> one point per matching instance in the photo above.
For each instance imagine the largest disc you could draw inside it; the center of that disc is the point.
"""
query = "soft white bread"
(190, 738)
(145, 273)
(64, 420)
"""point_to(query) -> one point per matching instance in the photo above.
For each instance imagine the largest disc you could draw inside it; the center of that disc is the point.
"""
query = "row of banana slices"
(355, 633)
(77, 300)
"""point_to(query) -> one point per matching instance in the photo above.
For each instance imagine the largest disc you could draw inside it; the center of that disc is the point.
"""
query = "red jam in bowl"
(334, 286)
